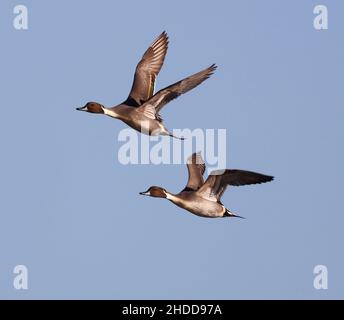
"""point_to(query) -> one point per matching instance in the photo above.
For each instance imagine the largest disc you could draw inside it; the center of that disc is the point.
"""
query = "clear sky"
(71, 213)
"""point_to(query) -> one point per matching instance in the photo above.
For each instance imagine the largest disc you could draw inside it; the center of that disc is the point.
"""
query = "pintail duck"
(203, 198)
(141, 109)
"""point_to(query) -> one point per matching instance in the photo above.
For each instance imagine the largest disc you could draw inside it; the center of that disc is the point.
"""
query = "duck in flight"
(141, 109)
(203, 198)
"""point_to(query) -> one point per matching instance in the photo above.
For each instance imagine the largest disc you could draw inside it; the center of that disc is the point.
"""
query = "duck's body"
(192, 202)
(204, 198)
(141, 109)
(136, 120)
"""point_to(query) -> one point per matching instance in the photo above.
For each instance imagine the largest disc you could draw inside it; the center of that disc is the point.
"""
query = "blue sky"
(71, 213)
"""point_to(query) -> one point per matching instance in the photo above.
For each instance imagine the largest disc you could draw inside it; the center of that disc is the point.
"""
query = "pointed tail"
(165, 132)
(228, 213)
(180, 138)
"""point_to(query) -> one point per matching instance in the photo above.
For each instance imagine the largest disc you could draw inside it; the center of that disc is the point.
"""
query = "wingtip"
(198, 158)
(270, 178)
(213, 67)
(161, 40)
(164, 35)
(198, 153)
(266, 179)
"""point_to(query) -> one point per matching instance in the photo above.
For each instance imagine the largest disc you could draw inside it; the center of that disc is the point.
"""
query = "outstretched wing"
(164, 96)
(217, 182)
(196, 168)
(147, 71)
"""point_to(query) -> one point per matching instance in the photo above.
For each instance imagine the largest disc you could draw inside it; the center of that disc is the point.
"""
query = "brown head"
(92, 107)
(156, 192)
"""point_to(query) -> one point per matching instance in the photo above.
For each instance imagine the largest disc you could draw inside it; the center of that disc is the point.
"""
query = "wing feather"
(217, 182)
(147, 70)
(164, 96)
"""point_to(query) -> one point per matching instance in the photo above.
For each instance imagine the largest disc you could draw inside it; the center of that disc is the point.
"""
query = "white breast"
(110, 113)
